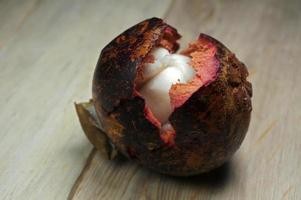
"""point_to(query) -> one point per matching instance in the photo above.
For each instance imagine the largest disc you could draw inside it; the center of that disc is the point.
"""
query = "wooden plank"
(266, 35)
(48, 50)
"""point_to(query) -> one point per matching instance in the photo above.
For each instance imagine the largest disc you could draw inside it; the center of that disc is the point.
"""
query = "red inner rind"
(139, 74)
(169, 39)
(202, 53)
(150, 116)
(168, 136)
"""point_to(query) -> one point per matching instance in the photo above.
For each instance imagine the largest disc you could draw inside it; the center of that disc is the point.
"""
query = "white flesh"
(159, 76)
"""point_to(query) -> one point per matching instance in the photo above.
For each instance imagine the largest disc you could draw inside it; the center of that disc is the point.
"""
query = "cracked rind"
(115, 73)
(209, 126)
(212, 124)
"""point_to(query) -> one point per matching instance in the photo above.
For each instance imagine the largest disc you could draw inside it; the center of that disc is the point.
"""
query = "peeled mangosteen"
(180, 113)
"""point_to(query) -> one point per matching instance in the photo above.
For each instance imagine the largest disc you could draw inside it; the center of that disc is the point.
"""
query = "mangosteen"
(179, 114)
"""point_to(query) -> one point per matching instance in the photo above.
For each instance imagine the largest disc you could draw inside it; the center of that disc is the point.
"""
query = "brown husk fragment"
(92, 128)
(209, 126)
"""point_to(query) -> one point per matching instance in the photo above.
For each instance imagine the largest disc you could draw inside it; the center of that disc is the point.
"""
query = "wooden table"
(48, 50)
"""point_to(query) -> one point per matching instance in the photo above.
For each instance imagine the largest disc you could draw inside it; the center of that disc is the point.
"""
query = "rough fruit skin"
(210, 126)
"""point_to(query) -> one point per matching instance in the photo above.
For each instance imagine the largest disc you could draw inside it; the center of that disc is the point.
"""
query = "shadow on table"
(124, 179)
(216, 178)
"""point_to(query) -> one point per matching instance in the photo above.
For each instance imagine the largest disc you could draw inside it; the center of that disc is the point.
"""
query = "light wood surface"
(48, 51)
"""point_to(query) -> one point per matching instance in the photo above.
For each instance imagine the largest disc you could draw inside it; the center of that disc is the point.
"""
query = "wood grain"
(48, 51)
(266, 35)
